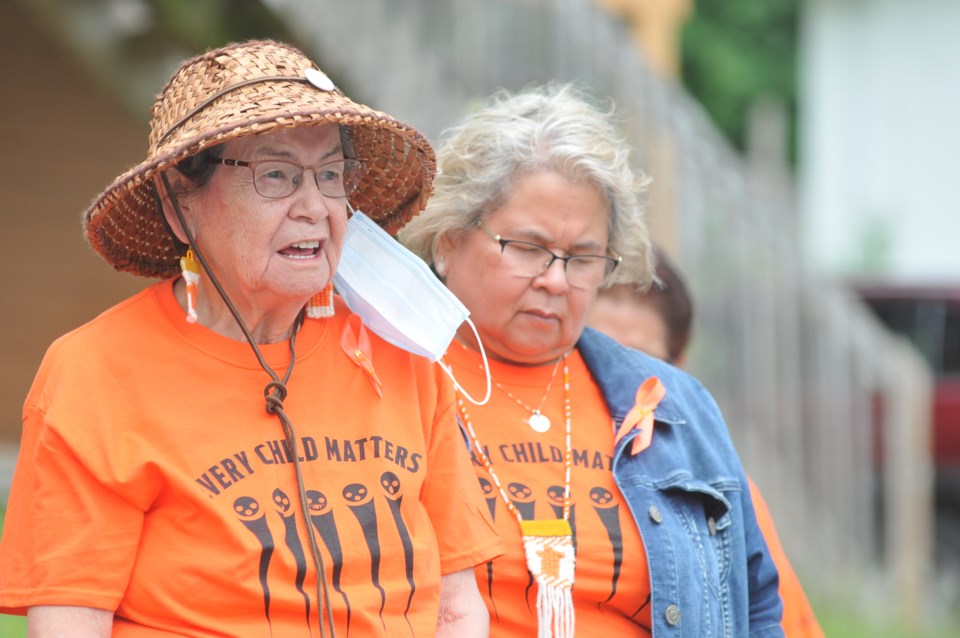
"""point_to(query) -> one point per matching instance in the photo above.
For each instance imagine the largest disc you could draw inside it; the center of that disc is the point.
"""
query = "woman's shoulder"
(619, 371)
(81, 355)
(110, 335)
(689, 416)
(129, 315)
(618, 367)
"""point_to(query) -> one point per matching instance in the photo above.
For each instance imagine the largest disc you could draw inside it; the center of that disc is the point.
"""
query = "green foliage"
(11, 626)
(840, 620)
(738, 50)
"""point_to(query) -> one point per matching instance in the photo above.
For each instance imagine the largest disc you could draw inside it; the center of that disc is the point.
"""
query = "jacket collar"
(619, 371)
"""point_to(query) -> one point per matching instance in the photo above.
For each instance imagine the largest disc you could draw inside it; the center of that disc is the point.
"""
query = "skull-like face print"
(390, 483)
(316, 501)
(555, 494)
(519, 492)
(355, 493)
(601, 497)
(486, 486)
(246, 507)
(281, 500)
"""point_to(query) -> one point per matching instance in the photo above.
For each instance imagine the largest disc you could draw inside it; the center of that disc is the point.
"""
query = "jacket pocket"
(705, 512)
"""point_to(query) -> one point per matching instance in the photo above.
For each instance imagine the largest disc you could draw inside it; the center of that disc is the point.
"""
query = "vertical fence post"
(908, 472)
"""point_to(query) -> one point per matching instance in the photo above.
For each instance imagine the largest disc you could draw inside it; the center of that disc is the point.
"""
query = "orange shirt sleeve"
(59, 547)
(799, 620)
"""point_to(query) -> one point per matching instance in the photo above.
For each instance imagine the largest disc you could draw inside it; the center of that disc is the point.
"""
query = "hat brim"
(126, 226)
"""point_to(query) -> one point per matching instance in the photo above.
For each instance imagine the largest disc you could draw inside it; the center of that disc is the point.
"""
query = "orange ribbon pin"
(356, 344)
(649, 395)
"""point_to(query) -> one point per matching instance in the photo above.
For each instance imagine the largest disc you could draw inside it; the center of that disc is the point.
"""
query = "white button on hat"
(319, 79)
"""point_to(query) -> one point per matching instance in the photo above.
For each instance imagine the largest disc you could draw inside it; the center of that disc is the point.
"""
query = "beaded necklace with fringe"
(547, 544)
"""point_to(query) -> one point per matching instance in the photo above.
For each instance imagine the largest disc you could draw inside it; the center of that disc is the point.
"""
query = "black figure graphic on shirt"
(247, 509)
(361, 504)
(287, 515)
(522, 498)
(321, 515)
(609, 512)
(390, 483)
(641, 608)
(491, 497)
(555, 496)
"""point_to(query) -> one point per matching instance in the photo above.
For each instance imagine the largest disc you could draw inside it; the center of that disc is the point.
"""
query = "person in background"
(659, 321)
(610, 475)
(231, 452)
(656, 320)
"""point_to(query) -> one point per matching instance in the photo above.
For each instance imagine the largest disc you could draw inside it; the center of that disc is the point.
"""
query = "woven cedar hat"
(239, 90)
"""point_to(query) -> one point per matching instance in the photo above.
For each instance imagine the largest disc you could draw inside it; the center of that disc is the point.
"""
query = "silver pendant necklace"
(537, 421)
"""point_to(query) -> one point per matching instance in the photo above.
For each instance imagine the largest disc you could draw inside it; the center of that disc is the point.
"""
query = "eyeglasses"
(527, 259)
(275, 179)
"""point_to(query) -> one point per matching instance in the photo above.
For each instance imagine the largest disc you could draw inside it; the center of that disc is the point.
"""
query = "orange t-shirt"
(612, 586)
(152, 481)
(798, 620)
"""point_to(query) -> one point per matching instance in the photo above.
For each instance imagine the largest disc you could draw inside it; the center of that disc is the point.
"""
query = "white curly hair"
(552, 127)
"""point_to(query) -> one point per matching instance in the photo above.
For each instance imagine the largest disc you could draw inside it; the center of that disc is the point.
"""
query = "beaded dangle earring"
(321, 304)
(191, 276)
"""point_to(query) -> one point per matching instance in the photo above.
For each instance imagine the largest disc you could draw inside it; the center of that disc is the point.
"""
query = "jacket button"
(654, 513)
(712, 526)
(672, 615)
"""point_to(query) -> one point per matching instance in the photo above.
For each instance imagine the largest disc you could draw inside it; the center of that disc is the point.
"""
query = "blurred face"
(271, 251)
(522, 319)
(623, 314)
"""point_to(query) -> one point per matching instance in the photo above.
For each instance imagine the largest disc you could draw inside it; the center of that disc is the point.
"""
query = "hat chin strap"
(192, 242)
(274, 392)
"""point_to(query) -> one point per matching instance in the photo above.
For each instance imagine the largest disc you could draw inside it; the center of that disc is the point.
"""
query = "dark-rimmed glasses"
(275, 179)
(527, 259)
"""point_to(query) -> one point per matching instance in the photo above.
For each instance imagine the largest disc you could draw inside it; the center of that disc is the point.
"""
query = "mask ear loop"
(446, 369)
(486, 371)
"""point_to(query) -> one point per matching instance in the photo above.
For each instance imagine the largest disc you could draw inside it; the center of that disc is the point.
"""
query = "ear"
(167, 206)
(445, 246)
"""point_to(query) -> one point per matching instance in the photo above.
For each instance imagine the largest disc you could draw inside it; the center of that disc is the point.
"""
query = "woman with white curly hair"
(610, 475)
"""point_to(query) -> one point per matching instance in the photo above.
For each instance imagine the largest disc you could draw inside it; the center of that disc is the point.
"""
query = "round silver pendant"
(538, 422)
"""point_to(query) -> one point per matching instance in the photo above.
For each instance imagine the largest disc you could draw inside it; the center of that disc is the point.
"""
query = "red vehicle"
(929, 317)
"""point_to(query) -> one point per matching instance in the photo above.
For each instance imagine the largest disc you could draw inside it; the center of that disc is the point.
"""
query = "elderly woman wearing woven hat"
(203, 459)
(610, 474)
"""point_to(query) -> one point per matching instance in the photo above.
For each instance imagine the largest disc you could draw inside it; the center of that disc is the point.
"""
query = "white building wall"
(880, 138)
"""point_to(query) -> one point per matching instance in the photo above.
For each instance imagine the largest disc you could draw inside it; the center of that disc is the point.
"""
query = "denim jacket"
(710, 571)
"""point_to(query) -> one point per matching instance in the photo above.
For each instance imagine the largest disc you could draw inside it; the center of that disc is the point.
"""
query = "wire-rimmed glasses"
(275, 179)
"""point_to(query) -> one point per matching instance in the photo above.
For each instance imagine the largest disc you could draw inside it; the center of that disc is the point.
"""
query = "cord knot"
(275, 393)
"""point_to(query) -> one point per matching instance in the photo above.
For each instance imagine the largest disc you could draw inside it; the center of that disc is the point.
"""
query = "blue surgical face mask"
(397, 296)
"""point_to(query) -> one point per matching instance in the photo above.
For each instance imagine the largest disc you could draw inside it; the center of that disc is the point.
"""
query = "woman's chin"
(531, 351)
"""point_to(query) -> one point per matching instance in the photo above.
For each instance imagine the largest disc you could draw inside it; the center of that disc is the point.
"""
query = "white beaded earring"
(191, 277)
(320, 305)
